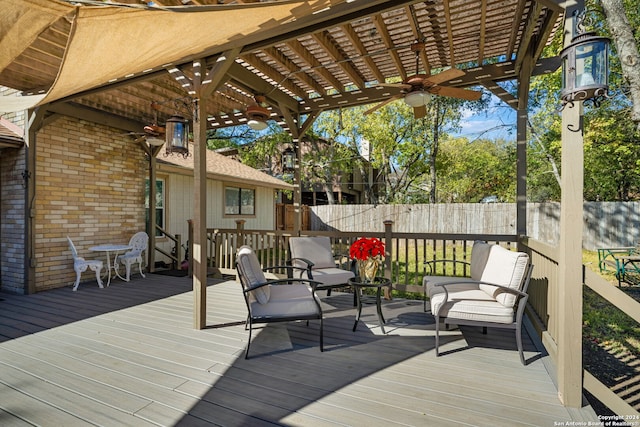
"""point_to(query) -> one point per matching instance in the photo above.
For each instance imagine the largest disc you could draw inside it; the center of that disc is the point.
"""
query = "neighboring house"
(234, 191)
(346, 187)
(87, 181)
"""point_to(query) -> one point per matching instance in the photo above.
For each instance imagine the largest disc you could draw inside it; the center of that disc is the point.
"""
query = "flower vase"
(368, 269)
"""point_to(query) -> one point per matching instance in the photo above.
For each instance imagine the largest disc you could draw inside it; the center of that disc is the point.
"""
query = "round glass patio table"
(378, 283)
(108, 248)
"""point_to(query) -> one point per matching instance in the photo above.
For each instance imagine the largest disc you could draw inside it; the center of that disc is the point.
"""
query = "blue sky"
(490, 123)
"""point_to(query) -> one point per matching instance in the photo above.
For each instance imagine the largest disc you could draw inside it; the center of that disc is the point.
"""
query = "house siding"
(12, 220)
(89, 186)
(179, 208)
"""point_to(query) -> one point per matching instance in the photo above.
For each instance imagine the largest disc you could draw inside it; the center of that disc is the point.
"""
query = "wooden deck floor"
(128, 355)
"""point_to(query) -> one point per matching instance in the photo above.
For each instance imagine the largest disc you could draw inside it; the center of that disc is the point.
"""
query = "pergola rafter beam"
(526, 39)
(515, 29)
(362, 50)
(275, 75)
(483, 29)
(447, 16)
(418, 36)
(325, 40)
(498, 91)
(315, 65)
(378, 20)
(251, 80)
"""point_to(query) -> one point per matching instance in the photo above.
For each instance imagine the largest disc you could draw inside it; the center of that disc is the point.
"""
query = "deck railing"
(404, 261)
(404, 265)
(543, 312)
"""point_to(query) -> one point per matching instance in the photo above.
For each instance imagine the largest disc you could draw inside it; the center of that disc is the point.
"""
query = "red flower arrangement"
(366, 248)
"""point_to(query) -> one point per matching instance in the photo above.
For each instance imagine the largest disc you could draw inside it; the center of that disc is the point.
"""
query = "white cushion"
(315, 249)
(479, 255)
(253, 274)
(468, 303)
(505, 268)
(430, 283)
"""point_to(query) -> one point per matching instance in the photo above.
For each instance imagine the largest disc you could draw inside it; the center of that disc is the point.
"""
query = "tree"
(611, 139)
(470, 170)
(620, 16)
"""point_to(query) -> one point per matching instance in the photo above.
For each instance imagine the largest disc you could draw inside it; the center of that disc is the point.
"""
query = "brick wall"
(12, 221)
(89, 186)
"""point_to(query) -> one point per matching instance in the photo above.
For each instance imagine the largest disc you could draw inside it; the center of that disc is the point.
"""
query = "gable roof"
(222, 168)
(10, 134)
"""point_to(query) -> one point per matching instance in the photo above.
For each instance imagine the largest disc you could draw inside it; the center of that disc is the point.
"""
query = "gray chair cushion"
(332, 276)
(287, 301)
(254, 274)
(315, 249)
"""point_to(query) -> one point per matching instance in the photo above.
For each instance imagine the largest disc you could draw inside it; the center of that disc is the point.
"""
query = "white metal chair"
(139, 243)
(80, 265)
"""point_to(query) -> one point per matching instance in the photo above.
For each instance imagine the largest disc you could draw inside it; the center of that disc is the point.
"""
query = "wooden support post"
(198, 256)
(297, 192)
(388, 247)
(203, 84)
(570, 250)
(522, 121)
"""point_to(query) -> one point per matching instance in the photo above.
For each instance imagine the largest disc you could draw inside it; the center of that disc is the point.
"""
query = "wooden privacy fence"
(606, 224)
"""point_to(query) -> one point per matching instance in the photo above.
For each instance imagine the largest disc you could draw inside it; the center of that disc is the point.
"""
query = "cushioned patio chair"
(277, 300)
(138, 243)
(494, 296)
(80, 265)
(315, 256)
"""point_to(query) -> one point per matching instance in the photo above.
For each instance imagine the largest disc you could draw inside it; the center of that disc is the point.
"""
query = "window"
(159, 204)
(239, 201)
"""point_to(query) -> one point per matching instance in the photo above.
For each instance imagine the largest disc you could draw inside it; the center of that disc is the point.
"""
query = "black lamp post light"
(585, 66)
(288, 160)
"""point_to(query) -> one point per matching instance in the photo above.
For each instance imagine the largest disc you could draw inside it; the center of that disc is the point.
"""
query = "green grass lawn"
(603, 323)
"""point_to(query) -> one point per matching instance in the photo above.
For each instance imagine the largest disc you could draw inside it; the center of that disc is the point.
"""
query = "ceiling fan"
(416, 90)
(257, 114)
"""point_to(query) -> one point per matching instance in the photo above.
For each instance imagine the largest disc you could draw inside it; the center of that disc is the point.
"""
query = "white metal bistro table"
(108, 248)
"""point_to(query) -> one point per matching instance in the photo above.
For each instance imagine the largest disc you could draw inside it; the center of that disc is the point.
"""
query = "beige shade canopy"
(302, 57)
(109, 43)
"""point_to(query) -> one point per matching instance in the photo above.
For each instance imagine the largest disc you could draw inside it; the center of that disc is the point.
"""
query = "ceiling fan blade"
(454, 92)
(382, 104)
(419, 112)
(400, 85)
(444, 76)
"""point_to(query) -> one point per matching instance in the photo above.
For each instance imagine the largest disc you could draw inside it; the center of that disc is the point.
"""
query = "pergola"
(208, 61)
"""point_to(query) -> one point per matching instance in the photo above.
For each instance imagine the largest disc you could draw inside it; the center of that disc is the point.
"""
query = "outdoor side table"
(379, 282)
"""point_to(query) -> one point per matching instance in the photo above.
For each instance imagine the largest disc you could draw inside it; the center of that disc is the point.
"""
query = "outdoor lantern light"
(288, 160)
(585, 66)
(417, 98)
(257, 116)
(177, 135)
